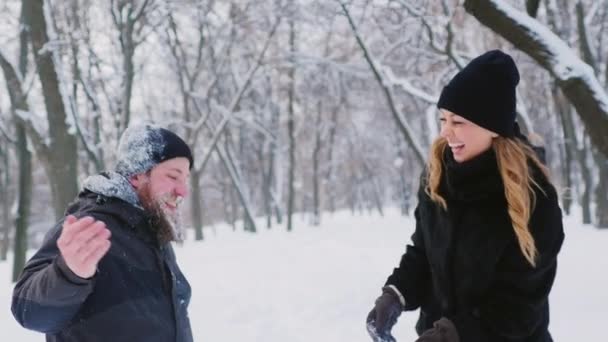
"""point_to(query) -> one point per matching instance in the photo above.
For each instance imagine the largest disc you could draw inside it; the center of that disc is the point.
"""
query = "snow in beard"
(142, 147)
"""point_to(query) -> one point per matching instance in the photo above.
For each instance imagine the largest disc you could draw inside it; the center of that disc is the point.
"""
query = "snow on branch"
(20, 105)
(408, 87)
(576, 78)
(6, 135)
(235, 101)
(402, 123)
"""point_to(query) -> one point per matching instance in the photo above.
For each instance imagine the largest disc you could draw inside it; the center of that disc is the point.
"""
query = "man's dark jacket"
(466, 264)
(137, 294)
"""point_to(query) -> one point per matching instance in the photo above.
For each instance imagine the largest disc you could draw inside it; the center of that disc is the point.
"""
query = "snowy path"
(318, 283)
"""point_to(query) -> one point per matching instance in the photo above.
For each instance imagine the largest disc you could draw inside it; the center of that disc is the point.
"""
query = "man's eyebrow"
(176, 169)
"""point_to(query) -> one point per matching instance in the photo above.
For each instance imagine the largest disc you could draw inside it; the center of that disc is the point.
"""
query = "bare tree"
(291, 120)
(24, 158)
(388, 92)
(129, 17)
(59, 156)
(5, 201)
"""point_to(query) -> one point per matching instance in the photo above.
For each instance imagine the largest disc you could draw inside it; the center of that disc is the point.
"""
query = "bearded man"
(107, 271)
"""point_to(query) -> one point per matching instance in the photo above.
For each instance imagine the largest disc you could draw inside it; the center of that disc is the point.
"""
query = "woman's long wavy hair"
(512, 156)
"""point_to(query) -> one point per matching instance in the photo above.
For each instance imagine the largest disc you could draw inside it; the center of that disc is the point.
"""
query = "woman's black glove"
(384, 315)
(443, 330)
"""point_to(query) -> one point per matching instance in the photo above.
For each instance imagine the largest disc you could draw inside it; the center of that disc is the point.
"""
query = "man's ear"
(137, 180)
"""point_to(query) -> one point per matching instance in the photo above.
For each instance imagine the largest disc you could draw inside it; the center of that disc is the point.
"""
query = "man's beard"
(168, 226)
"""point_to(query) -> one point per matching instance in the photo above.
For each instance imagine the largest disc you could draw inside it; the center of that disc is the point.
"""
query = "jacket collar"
(105, 195)
(474, 180)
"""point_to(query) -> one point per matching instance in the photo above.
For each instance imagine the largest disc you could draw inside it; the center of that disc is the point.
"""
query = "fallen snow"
(318, 283)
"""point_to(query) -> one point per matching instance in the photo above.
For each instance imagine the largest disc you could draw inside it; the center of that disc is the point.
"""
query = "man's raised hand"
(82, 243)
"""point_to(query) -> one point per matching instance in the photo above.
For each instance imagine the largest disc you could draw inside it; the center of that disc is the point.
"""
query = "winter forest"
(295, 110)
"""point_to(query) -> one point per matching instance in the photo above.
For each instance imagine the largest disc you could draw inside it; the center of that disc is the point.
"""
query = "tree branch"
(237, 98)
(576, 79)
(19, 103)
(401, 123)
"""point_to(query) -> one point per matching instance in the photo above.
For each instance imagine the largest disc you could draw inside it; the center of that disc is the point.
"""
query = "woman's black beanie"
(484, 93)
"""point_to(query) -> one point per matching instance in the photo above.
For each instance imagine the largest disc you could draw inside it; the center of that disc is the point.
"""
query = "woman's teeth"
(456, 148)
(456, 145)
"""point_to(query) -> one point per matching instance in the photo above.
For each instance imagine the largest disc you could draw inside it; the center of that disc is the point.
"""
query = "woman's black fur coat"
(466, 264)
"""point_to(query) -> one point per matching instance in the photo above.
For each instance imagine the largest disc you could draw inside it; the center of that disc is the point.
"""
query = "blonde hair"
(512, 156)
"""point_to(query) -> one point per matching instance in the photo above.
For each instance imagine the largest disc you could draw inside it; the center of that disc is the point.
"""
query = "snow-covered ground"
(318, 283)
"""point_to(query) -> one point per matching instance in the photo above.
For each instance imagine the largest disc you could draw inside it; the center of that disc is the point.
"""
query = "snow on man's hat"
(484, 92)
(143, 146)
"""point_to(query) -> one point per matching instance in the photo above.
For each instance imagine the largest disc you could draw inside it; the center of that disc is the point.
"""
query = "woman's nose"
(446, 131)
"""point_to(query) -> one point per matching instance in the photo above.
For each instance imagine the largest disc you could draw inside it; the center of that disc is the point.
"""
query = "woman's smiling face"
(466, 139)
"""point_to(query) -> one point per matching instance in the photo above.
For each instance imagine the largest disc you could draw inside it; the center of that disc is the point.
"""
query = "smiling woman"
(485, 194)
(466, 139)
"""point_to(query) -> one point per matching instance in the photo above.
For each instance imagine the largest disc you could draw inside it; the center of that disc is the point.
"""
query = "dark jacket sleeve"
(517, 302)
(412, 276)
(48, 294)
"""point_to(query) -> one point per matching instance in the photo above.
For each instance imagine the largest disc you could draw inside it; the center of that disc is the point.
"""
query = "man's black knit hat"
(142, 147)
(484, 92)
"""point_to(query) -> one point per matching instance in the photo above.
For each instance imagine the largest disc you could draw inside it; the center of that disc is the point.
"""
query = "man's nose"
(181, 190)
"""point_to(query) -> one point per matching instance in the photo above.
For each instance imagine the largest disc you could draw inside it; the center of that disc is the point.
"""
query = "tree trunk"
(228, 204)
(601, 193)
(329, 176)
(62, 161)
(227, 160)
(25, 201)
(316, 155)
(19, 102)
(6, 205)
(125, 24)
(404, 191)
(196, 206)
(580, 86)
(588, 181)
(267, 168)
(569, 148)
(129, 74)
(275, 186)
(234, 208)
(374, 187)
(291, 127)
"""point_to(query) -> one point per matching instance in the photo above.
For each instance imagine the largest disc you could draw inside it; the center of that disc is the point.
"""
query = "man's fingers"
(83, 236)
(98, 250)
(84, 247)
(70, 219)
(81, 224)
(70, 229)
